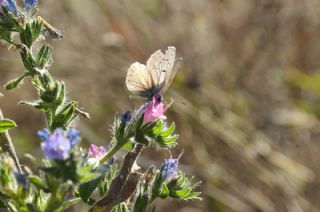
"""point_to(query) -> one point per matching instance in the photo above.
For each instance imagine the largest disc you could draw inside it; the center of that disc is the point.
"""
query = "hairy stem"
(124, 185)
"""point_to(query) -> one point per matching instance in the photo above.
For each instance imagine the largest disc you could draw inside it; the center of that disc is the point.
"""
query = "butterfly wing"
(172, 67)
(162, 68)
(138, 80)
(153, 66)
(170, 75)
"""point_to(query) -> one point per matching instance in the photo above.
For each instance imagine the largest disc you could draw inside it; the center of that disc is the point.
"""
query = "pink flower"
(96, 152)
(154, 110)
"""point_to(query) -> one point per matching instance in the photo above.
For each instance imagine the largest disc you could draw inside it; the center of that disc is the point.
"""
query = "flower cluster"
(58, 145)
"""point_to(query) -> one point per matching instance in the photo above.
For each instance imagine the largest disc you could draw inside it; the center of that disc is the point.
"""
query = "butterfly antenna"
(178, 101)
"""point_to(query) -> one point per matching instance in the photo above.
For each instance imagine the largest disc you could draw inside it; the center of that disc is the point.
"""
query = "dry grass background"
(247, 98)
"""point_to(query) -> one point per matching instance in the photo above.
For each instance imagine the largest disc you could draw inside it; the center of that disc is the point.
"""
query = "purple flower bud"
(168, 168)
(126, 117)
(22, 179)
(73, 136)
(111, 160)
(58, 146)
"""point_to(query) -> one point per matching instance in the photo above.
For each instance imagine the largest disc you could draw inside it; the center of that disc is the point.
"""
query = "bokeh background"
(247, 99)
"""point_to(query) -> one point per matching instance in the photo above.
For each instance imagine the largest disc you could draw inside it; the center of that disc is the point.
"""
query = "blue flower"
(30, 4)
(58, 146)
(73, 136)
(168, 168)
(10, 5)
(43, 134)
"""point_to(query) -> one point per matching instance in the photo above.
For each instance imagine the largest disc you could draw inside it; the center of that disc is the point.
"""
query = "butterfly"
(155, 77)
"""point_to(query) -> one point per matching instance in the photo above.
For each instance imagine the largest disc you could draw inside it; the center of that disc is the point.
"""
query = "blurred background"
(247, 99)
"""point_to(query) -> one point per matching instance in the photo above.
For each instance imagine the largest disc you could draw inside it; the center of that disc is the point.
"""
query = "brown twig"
(124, 185)
(8, 145)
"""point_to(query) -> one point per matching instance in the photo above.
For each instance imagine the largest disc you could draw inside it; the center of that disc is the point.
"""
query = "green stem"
(52, 202)
(112, 151)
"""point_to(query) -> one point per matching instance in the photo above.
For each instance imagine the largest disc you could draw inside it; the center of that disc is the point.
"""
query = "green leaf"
(141, 203)
(162, 135)
(85, 174)
(128, 146)
(59, 94)
(148, 127)
(156, 187)
(14, 83)
(70, 202)
(26, 35)
(33, 208)
(35, 180)
(36, 26)
(169, 131)
(122, 207)
(164, 193)
(44, 55)
(39, 104)
(86, 189)
(140, 138)
(30, 32)
(27, 60)
(6, 35)
(65, 115)
(6, 124)
(2, 205)
(183, 188)
(4, 195)
(156, 130)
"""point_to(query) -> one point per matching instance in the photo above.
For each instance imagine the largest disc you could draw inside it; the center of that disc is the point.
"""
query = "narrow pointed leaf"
(6, 124)
(14, 83)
